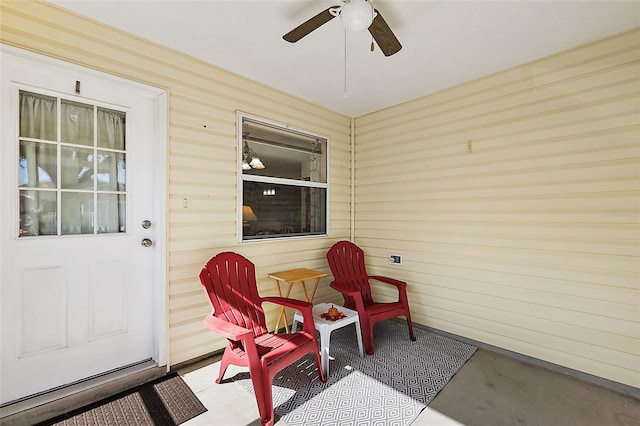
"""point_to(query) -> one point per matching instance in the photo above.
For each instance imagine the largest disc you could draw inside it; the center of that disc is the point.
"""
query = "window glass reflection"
(37, 165)
(77, 213)
(77, 168)
(111, 213)
(274, 152)
(282, 210)
(38, 213)
(111, 171)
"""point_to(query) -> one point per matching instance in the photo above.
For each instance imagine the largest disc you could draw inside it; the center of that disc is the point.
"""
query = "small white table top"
(321, 308)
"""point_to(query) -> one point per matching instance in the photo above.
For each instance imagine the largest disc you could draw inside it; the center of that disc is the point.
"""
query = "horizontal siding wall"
(531, 241)
(203, 101)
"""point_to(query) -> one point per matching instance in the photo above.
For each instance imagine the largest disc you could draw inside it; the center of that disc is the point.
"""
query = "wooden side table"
(290, 277)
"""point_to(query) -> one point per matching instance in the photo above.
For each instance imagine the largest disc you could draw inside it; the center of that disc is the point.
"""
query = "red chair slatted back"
(346, 261)
(229, 280)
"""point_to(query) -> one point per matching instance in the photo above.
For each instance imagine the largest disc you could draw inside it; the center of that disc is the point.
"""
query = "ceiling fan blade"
(310, 25)
(383, 35)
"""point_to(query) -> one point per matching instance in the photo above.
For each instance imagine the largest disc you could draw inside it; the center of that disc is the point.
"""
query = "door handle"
(146, 242)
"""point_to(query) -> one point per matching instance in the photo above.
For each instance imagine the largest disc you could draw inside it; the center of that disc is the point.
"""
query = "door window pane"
(111, 213)
(38, 213)
(38, 165)
(77, 213)
(77, 168)
(77, 123)
(111, 129)
(111, 171)
(38, 116)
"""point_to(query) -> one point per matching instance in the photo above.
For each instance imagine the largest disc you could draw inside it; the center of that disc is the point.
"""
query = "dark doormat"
(165, 401)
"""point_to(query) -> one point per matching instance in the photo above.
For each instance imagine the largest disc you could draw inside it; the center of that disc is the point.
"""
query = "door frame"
(160, 261)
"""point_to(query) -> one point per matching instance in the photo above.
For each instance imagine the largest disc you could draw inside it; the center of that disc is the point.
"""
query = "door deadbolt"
(146, 224)
(146, 242)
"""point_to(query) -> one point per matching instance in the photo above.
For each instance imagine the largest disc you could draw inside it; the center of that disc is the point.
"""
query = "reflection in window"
(75, 185)
(284, 181)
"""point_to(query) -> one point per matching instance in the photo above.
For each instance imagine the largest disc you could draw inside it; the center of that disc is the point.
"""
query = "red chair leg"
(410, 324)
(224, 363)
(264, 396)
(367, 336)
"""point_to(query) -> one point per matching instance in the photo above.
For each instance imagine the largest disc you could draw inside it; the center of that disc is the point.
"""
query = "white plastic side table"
(326, 326)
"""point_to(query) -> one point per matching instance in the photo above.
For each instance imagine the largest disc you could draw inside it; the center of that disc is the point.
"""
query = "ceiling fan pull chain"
(345, 64)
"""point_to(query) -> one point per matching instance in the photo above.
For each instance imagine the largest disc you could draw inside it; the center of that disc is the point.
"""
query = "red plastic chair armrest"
(397, 283)
(400, 285)
(305, 308)
(236, 333)
(354, 294)
(227, 329)
(288, 302)
(336, 285)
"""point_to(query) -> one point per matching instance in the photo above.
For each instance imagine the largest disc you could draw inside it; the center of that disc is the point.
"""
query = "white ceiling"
(445, 43)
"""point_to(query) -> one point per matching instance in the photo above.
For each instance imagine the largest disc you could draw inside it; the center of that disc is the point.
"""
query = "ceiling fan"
(356, 15)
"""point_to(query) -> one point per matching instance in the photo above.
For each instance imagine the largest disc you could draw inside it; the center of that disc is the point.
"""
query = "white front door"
(79, 164)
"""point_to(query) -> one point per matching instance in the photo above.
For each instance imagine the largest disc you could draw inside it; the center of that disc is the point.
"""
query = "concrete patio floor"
(491, 389)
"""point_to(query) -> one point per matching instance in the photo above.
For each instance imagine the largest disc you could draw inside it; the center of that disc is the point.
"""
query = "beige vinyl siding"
(203, 102)
(531, 242)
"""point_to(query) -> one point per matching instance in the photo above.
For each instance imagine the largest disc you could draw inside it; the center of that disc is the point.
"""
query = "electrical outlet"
(395, 259)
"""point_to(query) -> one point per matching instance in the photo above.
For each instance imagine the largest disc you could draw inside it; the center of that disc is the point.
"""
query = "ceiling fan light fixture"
(357, 15)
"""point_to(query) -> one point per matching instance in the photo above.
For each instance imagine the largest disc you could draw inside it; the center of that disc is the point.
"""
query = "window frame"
(59, 144)
(242, 178)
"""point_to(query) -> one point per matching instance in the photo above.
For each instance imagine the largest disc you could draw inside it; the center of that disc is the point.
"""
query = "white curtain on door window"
(111, 170)
(111, 129)
(38, 163)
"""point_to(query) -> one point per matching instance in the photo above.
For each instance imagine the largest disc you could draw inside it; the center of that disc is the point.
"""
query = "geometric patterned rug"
(388, 388)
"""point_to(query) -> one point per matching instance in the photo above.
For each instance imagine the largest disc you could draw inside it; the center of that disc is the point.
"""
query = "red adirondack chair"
(229, 282)
(350, 278)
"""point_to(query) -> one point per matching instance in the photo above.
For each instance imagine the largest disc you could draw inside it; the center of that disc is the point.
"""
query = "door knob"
(146, 224)
(146, 242)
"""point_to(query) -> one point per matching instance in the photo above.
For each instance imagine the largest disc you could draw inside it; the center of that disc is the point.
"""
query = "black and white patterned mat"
(388, 388)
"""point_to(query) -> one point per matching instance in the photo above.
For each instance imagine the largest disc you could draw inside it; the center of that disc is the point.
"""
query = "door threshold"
(59, 401)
